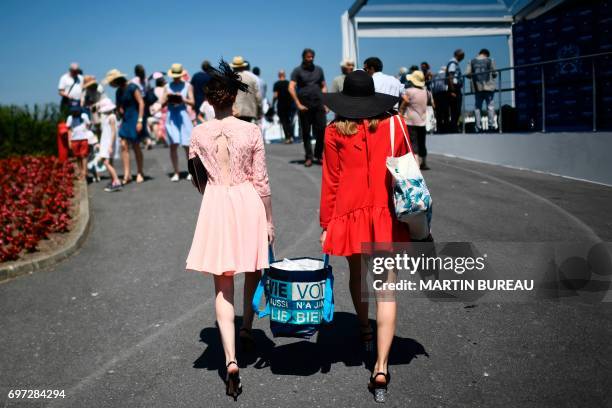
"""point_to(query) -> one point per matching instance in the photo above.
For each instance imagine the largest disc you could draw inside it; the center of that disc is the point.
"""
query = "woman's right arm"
(260, 179)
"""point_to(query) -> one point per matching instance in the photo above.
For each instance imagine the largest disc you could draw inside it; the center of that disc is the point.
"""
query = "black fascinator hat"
(226, 76)
(358, 99)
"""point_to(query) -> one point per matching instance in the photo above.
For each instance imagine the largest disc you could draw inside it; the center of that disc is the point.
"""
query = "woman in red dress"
(356, 201)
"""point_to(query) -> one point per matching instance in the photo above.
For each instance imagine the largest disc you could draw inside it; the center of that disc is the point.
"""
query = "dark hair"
(161, 81)
(308, 51)
(223, 86)
(425, 64)
(374, 63)
(256, 71)
(486, 52)
(205, 65)
(220, 96)
(458, 52)
(119, 82)
(139, 71)
(412, 69)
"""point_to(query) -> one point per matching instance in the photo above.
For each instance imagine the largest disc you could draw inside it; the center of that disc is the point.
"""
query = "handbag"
(199, 176)
(411, 199)
(430, 115)
(299, 295)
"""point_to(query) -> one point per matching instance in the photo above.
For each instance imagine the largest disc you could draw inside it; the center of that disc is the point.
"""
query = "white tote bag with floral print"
(411, 196)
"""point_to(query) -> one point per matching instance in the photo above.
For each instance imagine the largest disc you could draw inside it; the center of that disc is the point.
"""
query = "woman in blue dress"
(177, 95)
(131, 110)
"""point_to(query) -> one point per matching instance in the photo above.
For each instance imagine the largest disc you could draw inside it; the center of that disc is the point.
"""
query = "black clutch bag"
(175, 99)
(199, 177)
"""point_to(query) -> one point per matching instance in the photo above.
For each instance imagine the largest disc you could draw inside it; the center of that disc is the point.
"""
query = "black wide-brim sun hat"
(358, 99)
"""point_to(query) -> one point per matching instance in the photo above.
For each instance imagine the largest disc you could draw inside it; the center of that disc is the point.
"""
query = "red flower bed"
(35, 195)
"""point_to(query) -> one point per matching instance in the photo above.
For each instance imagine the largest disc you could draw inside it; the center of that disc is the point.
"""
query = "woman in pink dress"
(234, 226)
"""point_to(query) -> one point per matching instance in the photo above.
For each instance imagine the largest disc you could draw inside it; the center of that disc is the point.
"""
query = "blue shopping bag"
(299, 295)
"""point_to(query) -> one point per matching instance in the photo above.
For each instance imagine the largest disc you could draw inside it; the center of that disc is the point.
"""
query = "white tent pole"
(349, 37)
(511, 55)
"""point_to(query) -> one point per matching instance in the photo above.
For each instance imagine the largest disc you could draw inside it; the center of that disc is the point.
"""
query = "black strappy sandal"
(367, 338)
(379, 390)
(247, 342)
(233, 387)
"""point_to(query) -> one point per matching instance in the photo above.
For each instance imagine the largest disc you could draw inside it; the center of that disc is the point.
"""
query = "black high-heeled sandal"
(233, 387)
(379, 390)
(247, 342)
(367, 338)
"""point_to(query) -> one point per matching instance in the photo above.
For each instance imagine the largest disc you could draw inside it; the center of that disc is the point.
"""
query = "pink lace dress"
(231, 232)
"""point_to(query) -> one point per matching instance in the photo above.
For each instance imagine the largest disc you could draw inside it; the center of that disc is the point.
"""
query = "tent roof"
(441, 9)
(470, 9)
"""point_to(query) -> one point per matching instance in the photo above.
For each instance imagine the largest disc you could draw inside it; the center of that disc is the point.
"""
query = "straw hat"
(106, 105)
(238, 62)
(176, 71)
(88, 81)
(113, 75)
(358, 99)
(416, 78)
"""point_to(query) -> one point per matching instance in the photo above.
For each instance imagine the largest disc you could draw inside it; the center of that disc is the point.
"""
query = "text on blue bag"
(296, 302)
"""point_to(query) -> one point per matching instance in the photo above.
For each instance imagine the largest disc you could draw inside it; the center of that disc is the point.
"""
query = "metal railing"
(500, 90)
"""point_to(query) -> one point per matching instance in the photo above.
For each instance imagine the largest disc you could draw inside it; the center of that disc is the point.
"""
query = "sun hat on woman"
(358, 98)
(106, 105)
(416, 78)
(88, 81)
(113, 75)
(176, 71)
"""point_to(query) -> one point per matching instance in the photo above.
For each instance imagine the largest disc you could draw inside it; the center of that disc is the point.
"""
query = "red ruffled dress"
(356, 202)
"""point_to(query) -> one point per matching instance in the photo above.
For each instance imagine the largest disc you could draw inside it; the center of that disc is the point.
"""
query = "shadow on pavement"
(336, 343)
(297, 161)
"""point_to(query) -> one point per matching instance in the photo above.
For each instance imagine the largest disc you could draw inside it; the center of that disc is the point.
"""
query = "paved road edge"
(76, 238)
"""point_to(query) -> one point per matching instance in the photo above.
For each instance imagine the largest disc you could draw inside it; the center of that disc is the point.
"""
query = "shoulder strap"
(392, 134)
(448, 66)
(74, 82)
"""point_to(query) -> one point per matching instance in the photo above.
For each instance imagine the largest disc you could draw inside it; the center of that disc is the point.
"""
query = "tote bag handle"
(259, 291)
(392, 133)
(328, 300)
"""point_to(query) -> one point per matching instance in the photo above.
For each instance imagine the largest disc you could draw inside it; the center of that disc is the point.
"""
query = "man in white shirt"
(383, 83)
(70, 88)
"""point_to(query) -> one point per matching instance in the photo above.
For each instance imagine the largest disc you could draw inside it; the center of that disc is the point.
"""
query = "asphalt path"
(122, 324)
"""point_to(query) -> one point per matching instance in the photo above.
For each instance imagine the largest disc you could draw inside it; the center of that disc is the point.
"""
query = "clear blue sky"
(40, 39)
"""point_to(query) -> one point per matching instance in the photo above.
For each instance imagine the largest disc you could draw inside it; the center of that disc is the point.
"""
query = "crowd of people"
(164, 107)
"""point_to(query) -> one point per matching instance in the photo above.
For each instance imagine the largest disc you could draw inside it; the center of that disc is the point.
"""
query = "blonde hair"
(348, 127)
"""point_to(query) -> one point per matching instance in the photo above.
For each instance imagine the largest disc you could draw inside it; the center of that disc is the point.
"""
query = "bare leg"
(111, 171)
(139, 160)
(186, 148)
(82, 164)
(125, 158)
(224, 307)
(251, 279)
(174, 157)
(361, 307)
(386, 313)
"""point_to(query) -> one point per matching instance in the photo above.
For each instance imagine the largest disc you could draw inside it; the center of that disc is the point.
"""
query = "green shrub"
(28, 131)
